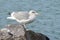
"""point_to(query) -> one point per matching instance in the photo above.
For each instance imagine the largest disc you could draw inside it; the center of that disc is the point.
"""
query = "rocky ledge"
(18, 32)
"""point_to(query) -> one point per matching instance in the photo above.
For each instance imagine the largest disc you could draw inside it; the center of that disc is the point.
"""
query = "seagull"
(23, 17)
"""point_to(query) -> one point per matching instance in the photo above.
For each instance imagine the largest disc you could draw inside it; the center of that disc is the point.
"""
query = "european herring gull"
(23, 17)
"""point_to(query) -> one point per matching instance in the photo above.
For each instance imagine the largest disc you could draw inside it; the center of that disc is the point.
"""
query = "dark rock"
(18, 32)
(36, 36)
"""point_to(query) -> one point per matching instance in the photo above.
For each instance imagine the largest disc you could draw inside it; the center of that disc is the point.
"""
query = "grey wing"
(21, 15)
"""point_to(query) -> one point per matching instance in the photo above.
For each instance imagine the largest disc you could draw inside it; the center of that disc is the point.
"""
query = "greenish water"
(48, 22)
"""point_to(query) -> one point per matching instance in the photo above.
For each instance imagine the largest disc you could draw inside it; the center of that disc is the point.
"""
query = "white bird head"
(33, 12)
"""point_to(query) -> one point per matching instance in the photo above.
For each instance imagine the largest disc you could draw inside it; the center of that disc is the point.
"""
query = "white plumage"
(23, 17)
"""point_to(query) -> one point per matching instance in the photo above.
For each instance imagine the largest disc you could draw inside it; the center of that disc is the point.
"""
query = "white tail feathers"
(10, 18)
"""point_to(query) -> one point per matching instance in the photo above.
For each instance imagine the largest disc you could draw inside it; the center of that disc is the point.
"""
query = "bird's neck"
(32, 16)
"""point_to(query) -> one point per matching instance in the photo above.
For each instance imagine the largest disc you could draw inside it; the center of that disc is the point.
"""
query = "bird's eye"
(33, 12)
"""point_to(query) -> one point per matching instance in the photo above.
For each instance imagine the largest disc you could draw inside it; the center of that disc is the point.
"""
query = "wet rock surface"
(18, 32)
